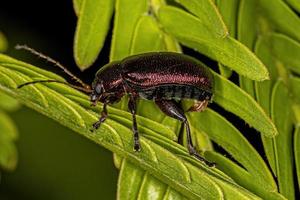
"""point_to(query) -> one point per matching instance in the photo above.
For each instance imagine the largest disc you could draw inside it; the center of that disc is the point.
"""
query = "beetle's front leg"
(132, 109)
(102, 118)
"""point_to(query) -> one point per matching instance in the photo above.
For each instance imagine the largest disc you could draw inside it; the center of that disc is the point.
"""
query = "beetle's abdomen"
(174, 92)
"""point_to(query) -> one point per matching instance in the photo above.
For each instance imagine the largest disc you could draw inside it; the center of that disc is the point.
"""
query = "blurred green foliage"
(8, 130)
(56, 164)
(257, 40)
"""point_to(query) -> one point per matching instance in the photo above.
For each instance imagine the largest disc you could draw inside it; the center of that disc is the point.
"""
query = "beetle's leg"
(172, 109)
(102, 117)
(132, 109)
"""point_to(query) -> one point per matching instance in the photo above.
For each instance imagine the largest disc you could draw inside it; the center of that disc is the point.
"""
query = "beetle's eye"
(93, 97)
(98, 88)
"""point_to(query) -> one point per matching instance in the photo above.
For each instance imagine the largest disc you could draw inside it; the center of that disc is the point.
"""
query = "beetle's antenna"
(56, 81)
(49, 59)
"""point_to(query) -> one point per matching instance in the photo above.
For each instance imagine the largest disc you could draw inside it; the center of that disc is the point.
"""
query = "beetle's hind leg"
(172, 109)
(132, 109)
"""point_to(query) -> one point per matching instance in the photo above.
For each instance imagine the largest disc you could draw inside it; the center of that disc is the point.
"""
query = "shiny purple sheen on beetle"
(153, 76)
(162, 77)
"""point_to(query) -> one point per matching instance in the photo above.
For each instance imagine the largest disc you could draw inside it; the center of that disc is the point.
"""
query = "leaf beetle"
(163, 77)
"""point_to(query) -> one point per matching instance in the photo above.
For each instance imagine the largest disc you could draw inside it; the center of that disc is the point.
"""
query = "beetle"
(163, 77)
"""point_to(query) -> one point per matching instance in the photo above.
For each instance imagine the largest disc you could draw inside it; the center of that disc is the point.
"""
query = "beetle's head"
(97, 91)
(100, 93)
(108, 85)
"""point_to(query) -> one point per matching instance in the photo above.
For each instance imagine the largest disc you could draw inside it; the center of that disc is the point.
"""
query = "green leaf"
(130, 181)
(201, 140)
(91, 30)
(247, 36)
(286, 50)
(183, 175)
(224, 71)
(8, 103)
(208, 14)
(117, 161)
(138, 184)
(154, 5)
(294, 4)
(264, 90)
(3, 42)
(226, 50)
(147, 36)
(27, 68)
(278, 14)
(245, 20)
(147, 126)
(297, 153)
(171, 44)
(295, 88)
(173, 194)
(264, 17)
(247, 85)
(8, 135)
(77, 5)
(231, 140)
(135, 183)
(127, 14)
(296, 112)
(241, 176)
(151, 188)
(228, 10)
(283, 142)
(237, 101)
(271, 49)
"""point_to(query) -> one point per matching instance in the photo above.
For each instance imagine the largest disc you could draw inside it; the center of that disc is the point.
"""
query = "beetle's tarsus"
(102, 118)
(194, 153)
(137, 146)
(209, 164)
(96, 125)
